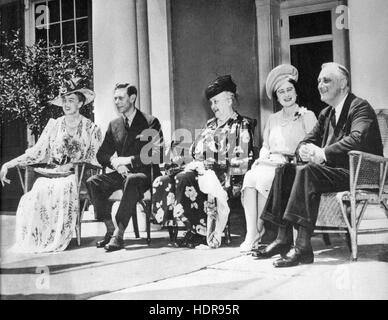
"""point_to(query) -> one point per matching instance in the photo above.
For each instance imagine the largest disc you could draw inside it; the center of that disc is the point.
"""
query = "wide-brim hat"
(221, 84)
(71, 86)
(278, 75)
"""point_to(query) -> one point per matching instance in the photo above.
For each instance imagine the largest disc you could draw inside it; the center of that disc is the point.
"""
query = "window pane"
(67, 9)
(308, 58)
(81, 8)
(41, 34)
(68, 32)
(70, 47)
(82, 30)
(311, 24)
(54, 10)
(54, 34)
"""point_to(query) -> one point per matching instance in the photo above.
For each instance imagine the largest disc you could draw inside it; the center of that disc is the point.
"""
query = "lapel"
(339, 128)
(137, 126)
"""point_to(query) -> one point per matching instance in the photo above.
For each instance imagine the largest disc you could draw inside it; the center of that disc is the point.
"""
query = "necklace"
(285, 120)
(72, 128)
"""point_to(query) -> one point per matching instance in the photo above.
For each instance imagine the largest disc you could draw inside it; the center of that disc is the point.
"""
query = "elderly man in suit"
(348, 123)
(125, 149)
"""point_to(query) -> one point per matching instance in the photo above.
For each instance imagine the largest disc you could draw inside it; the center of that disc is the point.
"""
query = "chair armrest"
(368, 156)
(88, 165)
(367, 171)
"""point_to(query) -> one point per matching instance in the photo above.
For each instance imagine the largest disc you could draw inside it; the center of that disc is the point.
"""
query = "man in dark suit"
(348, 123)
(130, 143)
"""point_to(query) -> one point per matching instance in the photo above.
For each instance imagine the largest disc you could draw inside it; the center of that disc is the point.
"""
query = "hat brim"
(88, 94)
(278, 75)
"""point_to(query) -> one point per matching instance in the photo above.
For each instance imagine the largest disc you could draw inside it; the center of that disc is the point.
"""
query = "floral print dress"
(178, 196)
(46, 215)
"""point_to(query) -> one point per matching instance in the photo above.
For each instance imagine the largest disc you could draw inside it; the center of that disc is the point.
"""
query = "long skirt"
(179, 198)
(46, 216)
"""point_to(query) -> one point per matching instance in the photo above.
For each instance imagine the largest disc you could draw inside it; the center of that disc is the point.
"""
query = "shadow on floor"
(53, 268)
(39, 296)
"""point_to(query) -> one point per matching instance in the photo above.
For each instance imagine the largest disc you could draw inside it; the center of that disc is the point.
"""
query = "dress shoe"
(295, 257)
(102, 243)
(114, 244)
(271, 250)
(187, 240)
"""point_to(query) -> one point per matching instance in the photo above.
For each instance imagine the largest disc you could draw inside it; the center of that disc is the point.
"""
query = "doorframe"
(340, 38)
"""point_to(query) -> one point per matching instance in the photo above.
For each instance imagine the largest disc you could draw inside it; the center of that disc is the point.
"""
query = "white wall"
(369, 50)
(158, 32)
(114, 53)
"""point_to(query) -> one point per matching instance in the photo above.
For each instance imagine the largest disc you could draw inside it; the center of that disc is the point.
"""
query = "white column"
(115, 53)
(268, 38)
(368, 35)
(144, 57)
(160, 67)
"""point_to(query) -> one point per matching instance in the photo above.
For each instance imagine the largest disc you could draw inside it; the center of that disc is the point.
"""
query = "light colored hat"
(71, 86)
(278, 75)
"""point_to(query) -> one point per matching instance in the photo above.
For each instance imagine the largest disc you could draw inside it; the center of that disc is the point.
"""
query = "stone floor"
(162, 272)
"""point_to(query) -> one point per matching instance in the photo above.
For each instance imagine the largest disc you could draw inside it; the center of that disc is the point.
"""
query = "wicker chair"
(343, 212)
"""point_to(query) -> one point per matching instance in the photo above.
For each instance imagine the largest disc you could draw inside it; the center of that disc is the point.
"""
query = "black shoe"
(272, 250)
(102, 243)
(114, 244)
(295, 257)
(187, 241)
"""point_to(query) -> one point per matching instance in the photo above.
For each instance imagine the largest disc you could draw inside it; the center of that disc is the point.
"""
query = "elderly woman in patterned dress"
(46, 215)
(227, 138)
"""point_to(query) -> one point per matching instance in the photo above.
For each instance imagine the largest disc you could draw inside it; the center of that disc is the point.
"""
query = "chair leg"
(148, 226)
(353, 231)
(228, 238)
(135, 226)
(326, 239)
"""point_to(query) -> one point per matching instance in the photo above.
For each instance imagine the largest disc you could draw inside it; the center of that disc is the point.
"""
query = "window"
(63, 23)
(310, 38)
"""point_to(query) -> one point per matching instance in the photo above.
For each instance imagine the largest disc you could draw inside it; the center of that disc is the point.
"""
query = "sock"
(303, 240)
(285, 234)
(119, 232)
(110, 227)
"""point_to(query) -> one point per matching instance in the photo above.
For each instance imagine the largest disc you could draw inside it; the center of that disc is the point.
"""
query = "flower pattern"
(191, 193)
(53, 200)
(180, 194)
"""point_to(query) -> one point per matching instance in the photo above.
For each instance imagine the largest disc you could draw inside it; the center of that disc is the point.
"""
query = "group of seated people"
(301, 158)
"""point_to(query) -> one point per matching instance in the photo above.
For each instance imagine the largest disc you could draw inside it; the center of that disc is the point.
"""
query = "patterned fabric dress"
(178, 196)
(46, 215)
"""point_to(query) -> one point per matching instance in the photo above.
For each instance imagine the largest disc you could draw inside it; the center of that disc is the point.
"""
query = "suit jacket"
(357, 129)
(134, 142)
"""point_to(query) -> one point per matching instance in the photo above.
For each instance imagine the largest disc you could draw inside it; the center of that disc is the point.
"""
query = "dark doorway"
(308, 58)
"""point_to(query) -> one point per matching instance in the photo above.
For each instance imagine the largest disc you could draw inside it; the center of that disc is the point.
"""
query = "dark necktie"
(332, 124)
(126, 124)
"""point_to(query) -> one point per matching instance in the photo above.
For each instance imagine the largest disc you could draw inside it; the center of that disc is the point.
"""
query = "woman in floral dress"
(282, 134)
(46, 215)
(226, 138)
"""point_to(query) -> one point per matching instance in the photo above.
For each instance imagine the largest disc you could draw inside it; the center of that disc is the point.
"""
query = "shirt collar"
(130, 117)
(338, 108)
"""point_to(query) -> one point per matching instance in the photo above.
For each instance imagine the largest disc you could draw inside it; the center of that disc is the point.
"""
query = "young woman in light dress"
(46, 215)
(282, 134)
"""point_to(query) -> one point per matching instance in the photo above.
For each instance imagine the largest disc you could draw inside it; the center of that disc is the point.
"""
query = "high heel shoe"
(272, 249)
(247, 247)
